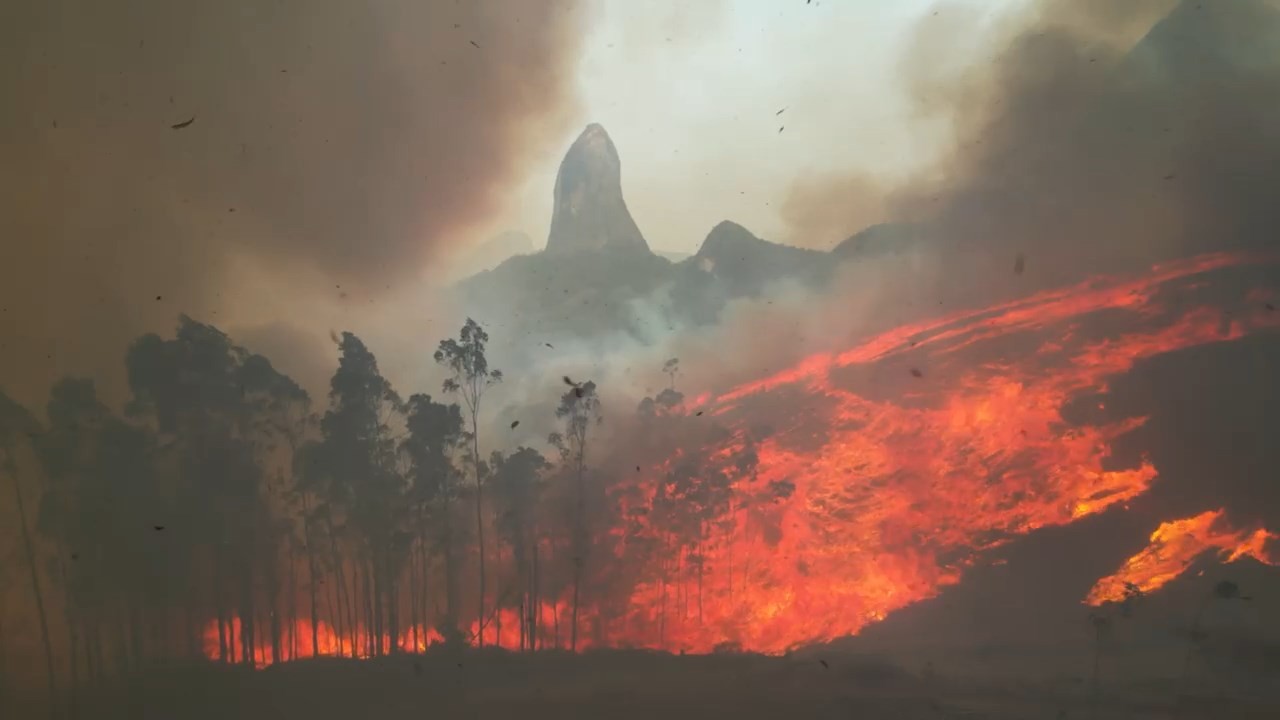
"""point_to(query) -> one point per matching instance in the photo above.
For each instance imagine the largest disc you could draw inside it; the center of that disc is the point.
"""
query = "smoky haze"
(332, 148)
(331, 152)
(1087, 138)
(1088, 153)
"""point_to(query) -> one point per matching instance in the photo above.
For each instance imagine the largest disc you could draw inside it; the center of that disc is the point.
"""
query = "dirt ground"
(624, 684)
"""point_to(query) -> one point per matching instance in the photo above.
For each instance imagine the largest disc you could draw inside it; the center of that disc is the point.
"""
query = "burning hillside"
(857, 501)
(1174, 545)
(806, 505)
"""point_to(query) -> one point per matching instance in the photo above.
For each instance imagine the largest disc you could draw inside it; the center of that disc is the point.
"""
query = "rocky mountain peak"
(589, 211)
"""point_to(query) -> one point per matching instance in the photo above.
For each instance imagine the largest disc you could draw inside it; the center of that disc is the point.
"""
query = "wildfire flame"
(862, 498)
(891, 499)
(1174, 546)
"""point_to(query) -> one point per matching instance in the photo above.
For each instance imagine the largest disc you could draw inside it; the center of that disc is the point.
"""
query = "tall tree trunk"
(274, 626)
(292, 616)
(374, 611)
(535, 611)
(413, 596)
(337, 616)
(663, 564)
(497, 601)
(70, 615)
(331, 611)
(424, 570)
(475, 457)
(370, 613)
(393, 610)
(340, 577)
(29, 551)
(248, 641)
(224, 654)
(450, 575)
(701, 562)
(351, 598)
(311, 574)
(361, 639)
(580, 547)
(373, 580)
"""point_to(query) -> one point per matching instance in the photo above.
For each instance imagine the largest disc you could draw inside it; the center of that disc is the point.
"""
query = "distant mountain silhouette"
(493, 252)
(673, 255)
(745, 264)
(598, 275)
(879, 240)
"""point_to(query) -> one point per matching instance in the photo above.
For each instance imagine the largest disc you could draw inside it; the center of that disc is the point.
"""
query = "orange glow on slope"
(856, 483)
(886, 501)
(1173, 547)
(1034, 312)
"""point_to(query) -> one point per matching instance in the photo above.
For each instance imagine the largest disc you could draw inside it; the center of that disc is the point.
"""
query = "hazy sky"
(690, 93)
(341, 153)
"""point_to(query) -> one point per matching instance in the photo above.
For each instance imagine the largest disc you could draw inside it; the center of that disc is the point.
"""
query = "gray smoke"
(335, 150)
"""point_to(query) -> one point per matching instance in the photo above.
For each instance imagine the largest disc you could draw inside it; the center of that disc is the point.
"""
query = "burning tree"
(472, 377)
(434, 432)
(356, 472)
(579, 410)
(518, 483)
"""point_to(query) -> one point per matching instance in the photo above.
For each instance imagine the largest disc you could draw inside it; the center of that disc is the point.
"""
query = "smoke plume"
(243, 161)
(1087, 143)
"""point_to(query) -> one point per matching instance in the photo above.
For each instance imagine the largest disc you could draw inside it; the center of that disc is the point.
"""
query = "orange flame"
(501, 630)
(1174, 546)
(863, 499)
(893, 499)
(297, 644)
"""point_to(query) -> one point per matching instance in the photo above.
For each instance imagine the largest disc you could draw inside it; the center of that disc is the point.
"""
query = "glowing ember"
(1174, 546)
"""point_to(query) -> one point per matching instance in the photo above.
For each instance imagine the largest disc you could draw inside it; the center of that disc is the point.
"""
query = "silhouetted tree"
(279, 412)
(99, 499)
(357, 463)
(578, 411)
(434, 431)
(517, 485)
(16, 423)
(194, 390)
(471, 378)
(671, 368)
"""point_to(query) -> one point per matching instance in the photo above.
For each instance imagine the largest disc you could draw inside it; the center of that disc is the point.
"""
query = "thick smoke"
(334, 151)
(1087, 138)
(1088, 144)
(1088, 154)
